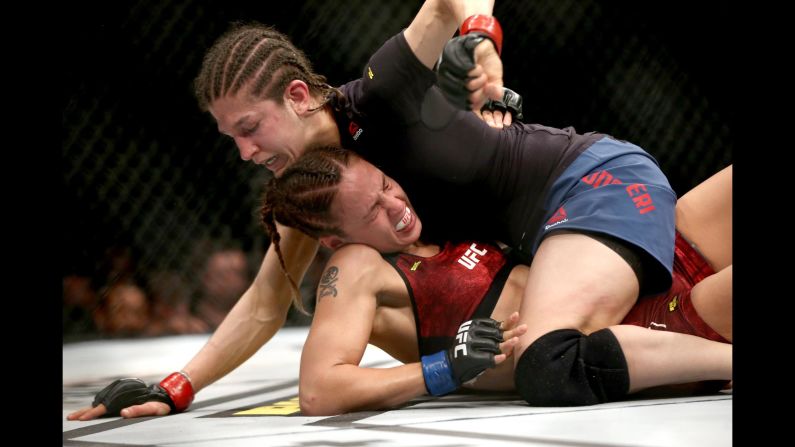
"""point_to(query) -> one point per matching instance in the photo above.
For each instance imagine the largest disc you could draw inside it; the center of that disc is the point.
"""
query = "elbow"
(315, 404)
(326, 391)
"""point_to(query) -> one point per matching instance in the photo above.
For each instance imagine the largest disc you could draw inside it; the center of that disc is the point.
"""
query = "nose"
(246, 148)
(395, 207)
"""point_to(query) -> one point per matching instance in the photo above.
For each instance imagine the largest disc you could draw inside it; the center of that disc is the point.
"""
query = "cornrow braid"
(301, 198)
(259, 59)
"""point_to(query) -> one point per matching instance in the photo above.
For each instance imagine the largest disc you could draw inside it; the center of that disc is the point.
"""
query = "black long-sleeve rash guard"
(464, 178)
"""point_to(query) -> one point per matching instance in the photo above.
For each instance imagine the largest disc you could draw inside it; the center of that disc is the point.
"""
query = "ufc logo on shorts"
(470, 258)
(461, 338)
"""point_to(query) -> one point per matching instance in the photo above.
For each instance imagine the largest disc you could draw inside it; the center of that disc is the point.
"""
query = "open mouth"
(275, 163)
(404, 221)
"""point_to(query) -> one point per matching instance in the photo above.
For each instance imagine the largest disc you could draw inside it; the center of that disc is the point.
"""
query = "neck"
(324, 131)
(420, 248)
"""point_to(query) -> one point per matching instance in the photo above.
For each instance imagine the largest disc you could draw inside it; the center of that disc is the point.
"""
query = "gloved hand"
(477, 342)
(176, 391)
(122, 393)
(455, 63)
(511, 101)
(469, 73)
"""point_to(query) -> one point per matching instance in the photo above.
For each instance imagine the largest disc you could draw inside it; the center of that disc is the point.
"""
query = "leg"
(576, 285)
(704, 217)
(575, 282)
(692, 361)
(712, 299)
(657, 358)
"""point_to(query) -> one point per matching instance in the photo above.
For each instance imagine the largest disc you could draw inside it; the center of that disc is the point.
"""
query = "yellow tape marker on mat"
(283, 408)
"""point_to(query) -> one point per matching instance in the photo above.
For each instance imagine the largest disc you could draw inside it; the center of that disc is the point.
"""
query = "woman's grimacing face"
(373, 209)
(266, 132)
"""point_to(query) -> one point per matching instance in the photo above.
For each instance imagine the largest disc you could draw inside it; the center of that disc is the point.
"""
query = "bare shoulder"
(358, 262)
(362, 257)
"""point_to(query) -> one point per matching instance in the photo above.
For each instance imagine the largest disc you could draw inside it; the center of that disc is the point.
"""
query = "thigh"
(704, 217)
(575, 282)
(712, 299)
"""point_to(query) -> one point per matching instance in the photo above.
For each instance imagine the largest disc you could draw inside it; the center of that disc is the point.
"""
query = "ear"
(297, 95)
(332, 242)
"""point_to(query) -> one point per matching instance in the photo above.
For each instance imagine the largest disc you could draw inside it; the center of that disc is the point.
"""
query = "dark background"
(144, 169)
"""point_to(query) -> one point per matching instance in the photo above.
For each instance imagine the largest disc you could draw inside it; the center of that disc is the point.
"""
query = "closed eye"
(387, 186)
(373, 213)
(247, 132)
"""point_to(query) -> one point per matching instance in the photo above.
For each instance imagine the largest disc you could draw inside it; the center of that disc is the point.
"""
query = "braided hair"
(301, 198)
(261, 60)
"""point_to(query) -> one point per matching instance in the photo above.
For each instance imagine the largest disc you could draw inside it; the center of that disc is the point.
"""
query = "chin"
(395, 248)
(415, 233)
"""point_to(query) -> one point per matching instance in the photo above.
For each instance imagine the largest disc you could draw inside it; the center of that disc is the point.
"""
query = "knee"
(567, 368)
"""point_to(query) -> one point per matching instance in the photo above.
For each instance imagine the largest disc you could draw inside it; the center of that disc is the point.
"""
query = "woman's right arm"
(259, 313)
(254, 319)
(435, 24)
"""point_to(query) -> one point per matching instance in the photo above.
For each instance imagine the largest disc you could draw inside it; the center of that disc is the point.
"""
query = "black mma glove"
(510, 101)
(477, 342)
(457, 59)
(125, 392)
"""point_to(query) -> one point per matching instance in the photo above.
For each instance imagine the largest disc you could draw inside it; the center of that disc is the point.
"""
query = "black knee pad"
(565, 367)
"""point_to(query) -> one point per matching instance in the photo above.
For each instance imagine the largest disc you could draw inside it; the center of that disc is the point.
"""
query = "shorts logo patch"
(600, 178)
(641, 198)
(559, 217)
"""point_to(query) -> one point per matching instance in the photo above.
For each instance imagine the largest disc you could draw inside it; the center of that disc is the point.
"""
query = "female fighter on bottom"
(437, 307)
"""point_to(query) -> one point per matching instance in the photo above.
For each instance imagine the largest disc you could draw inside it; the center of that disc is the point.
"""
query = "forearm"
(346, 388)
(459, 10)
(436, 22)
(238, 337)
(657, 358)
(259, 313)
